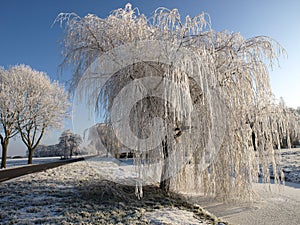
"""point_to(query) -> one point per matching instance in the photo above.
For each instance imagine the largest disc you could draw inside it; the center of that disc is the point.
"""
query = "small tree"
(69, 142)
(44, 105)
(75, 141)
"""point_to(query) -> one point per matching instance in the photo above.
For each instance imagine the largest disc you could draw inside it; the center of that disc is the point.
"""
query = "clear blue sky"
(26, 35)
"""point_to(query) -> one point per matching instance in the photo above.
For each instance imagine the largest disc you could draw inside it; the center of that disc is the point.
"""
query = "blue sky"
(26, 35)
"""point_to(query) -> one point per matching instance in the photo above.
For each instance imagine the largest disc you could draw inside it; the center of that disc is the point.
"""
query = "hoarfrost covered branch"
(223, 75)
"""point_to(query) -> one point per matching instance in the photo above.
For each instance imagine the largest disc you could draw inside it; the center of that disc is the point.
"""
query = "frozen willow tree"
(211, 89)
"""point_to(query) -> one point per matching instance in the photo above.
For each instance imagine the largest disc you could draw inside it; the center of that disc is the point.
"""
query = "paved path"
(276, 207)
(10, 173)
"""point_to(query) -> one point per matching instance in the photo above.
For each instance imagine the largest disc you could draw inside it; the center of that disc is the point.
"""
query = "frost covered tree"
(293, 127)
(69, 142)
(10, 104)
(30, 103)
(290, 136)
(42, 105)
(218, 67)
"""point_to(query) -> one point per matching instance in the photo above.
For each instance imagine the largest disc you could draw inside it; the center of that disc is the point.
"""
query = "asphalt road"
(8, 174)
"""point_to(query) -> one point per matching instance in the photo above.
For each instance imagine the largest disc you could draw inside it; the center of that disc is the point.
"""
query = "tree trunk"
(4, 145)
(165, 179)
(71, 152)
(30, 155)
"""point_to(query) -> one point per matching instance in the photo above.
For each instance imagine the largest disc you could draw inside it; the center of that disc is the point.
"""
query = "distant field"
(23, 161)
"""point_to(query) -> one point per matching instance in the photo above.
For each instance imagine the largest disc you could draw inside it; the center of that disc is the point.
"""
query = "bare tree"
(44, 106)
(233, 67)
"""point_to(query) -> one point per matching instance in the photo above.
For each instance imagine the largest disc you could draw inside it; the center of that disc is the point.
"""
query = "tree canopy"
(214, 95)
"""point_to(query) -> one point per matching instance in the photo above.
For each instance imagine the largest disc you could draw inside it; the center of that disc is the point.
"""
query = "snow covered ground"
(279, 206)
(86, 193)
(78, 194)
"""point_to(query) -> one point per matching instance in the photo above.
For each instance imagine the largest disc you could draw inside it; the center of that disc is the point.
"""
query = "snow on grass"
(78, 194)
(125, 172)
